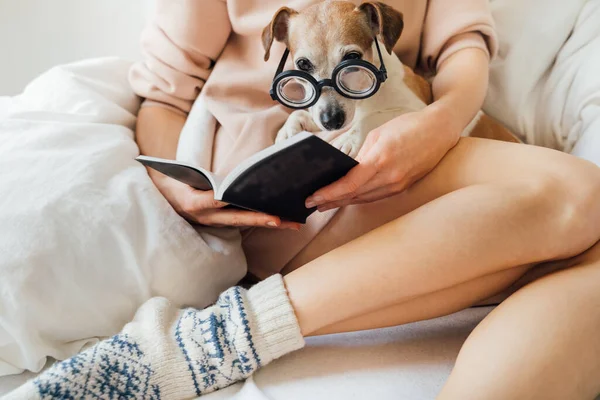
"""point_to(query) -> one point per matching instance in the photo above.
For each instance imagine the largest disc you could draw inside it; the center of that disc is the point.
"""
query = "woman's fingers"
(196, 201)
(295, 226)
(344, 188)
(208, 211)
(369, 197)
(184, 198)
(380, 180)
(242, 218)
(378, 193)
(334, 204)
(238, 218)
(200, 206)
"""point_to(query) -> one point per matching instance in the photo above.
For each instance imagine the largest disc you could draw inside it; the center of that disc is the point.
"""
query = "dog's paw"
(349, 143)
(297, 122)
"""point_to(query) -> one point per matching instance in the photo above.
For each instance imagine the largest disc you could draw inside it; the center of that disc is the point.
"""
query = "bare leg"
(501, 285)
(432, 305)
(541, 343)
(491, 217)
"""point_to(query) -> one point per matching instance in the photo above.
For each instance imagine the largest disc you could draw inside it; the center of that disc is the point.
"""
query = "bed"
(407, 362)
(80, 108)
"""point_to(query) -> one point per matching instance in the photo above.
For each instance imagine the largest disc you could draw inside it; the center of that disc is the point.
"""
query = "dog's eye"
(353, 55)
(304, 65)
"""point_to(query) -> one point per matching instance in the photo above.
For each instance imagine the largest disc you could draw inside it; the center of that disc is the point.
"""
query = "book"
(276, 180)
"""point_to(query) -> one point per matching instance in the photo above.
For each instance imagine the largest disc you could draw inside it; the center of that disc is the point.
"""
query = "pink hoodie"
(190, 40)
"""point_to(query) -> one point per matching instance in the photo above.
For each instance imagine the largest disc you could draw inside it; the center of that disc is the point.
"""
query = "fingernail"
(313, 201)
(272, 224)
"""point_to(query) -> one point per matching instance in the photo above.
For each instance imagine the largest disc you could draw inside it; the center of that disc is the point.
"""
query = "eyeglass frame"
(379, 73)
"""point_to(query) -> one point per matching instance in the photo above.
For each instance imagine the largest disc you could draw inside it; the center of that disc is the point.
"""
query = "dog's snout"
(333, 118)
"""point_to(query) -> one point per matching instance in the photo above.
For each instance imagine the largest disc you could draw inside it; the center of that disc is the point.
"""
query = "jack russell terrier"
(337, 84)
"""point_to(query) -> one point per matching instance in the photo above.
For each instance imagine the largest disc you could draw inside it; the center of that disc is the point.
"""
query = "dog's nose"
(333, 118)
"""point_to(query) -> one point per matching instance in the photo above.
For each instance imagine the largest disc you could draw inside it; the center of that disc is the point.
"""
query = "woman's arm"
(406, 148)
(459, 89)
(157, 131)
(180, 47)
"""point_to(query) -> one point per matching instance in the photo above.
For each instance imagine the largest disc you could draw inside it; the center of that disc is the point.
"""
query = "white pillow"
(85, 237)
(531, 34)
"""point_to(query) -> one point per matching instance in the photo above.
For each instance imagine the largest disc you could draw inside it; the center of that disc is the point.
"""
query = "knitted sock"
(169, 353)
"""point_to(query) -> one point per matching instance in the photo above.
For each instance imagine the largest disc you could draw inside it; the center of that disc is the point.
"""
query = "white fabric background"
(545, 82)
(36, 35)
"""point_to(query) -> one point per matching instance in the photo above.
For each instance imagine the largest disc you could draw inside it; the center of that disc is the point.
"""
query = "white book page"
(214, 180)
(254, 159)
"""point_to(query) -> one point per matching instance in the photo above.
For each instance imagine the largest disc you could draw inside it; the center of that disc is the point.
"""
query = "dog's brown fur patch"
(489, 128)
(418, 85)
(385, 21)
(324, 29)
(277, 29)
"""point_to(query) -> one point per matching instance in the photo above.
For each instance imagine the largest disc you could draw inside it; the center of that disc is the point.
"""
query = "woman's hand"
(394, 156)
(200, 207)
(405, 149)
(157, 134)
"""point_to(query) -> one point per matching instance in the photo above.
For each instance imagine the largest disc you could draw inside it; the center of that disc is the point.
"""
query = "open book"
(276, 180)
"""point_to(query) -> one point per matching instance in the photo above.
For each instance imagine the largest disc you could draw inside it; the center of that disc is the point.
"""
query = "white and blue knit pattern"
(114, 369)
(218, 346)
(167, 353)
(215, 344)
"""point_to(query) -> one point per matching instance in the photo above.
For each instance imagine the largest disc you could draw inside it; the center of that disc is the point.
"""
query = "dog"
(350, 31)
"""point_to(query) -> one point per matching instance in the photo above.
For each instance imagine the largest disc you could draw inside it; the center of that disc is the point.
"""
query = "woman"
(430, 224)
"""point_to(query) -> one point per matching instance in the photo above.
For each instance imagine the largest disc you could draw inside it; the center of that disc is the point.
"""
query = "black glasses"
(354, 79)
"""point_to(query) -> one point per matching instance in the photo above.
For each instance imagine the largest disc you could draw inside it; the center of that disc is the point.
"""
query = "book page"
(196, 177)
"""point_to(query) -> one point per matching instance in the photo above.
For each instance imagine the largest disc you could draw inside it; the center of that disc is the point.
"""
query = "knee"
(569, 193)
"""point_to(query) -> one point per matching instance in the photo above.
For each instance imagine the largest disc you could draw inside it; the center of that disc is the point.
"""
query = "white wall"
(38, 34)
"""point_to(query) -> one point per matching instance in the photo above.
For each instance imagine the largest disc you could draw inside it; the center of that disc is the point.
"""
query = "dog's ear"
(277, 29)
(385, 22)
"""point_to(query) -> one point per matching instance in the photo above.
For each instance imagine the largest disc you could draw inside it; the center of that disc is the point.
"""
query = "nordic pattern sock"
(169, 353)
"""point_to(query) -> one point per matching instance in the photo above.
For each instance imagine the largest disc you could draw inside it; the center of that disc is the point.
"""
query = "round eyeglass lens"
(356, 80)
(296, 91)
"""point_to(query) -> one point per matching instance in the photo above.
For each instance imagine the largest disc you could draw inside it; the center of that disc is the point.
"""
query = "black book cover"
(280, 183)
(275, 181)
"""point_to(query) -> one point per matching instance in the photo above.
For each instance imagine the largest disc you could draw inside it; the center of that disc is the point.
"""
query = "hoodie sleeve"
(451, 26)
(180, 46)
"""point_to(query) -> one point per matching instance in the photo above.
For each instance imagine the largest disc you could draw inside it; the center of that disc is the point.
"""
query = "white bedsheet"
(85, 237)
(4, 102)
